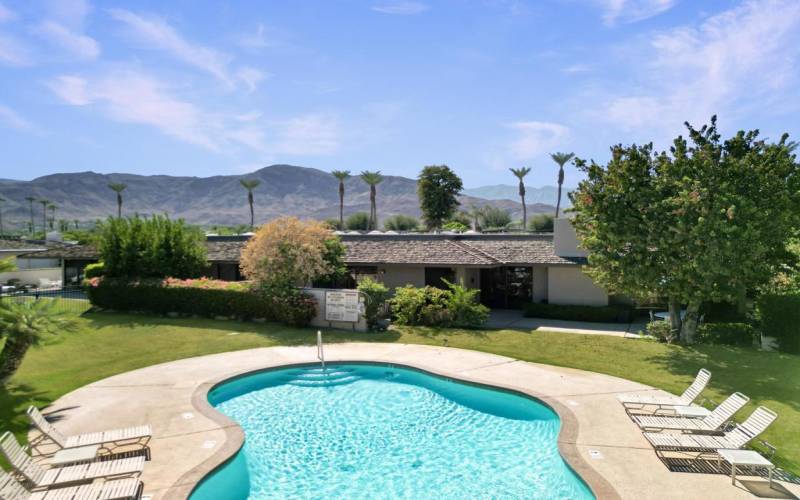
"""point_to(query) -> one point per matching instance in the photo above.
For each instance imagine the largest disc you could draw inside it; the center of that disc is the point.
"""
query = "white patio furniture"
(744, 458)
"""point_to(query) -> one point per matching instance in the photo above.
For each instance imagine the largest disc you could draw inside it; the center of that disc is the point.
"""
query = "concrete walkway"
(190, 438)
(514, 320)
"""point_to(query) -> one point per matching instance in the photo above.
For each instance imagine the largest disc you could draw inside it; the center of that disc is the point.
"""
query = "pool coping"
(234, 435)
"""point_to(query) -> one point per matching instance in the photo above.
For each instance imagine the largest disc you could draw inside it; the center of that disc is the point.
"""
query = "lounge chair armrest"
(771, 448)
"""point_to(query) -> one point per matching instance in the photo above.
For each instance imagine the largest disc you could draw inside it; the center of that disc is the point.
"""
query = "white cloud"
(80, 45)
(743, 57)
(12, 119)
(6, 14)
(576, 69)
(71, 13)
(71, 89)
(251, 77)
(14, 52)
(255, 41)
(156, 33)
(535, 138)
(401, 8)
(313, 134)
(631, 11)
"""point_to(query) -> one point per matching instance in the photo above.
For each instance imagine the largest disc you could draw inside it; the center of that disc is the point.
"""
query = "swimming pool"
(378, 431)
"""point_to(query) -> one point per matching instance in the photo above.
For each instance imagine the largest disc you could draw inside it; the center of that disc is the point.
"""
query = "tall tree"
(30, 200)
(77, 223)
(520, 174)
(438, 188)
(692, 225)
(45, 203)
(250, 185)
(372, 179)
(561, 159)
(2, 201)
(52, 207)
(118, 188)
(25, 324)
(342, 175)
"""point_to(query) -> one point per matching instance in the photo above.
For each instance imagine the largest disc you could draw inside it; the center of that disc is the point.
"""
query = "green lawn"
(106, 344)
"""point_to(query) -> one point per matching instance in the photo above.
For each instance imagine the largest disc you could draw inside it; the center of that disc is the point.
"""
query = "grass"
(106, 344)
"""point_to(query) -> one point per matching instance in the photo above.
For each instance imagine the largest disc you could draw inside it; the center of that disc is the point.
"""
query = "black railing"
(71, 299)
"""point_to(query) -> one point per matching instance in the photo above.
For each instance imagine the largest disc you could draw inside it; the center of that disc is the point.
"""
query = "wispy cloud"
(535, 138)
(401, 8)
(255, 41)
(631, 11)
(13, 52)
(6, 14)
(251, 77)
(12, 119)
(313, 134)
(80, 45)
(155, 33)
(743, 57)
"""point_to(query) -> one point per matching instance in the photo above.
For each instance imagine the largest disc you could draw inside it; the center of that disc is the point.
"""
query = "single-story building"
(509, 269)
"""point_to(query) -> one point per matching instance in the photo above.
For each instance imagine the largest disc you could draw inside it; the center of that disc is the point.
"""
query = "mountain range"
(284, 190)
(547, 195)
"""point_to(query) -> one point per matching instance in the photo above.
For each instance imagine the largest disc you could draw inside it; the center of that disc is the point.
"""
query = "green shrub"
(464, 308)
(430, 306)
(739, 334)
(599, 314)
(662, 330)
(455, 226)
(541, 222)
(780, 318)
(494, 218)
(722, 312)
(359, 221)
(407, 304)
(376, 294)
(400, 223)
(293, 307)
(94, 270)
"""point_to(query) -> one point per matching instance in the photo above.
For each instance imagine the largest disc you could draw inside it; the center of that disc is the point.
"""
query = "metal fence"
(69, 299)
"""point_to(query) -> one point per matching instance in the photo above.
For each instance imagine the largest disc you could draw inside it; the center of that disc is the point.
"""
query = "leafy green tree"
(400, 222)
(438, 188)
(541, 222)
(372, 179)
(474, 214)
(455, 226)
(118, 187)
(157, 247)
(561, 159)
(30, 200)
(358, 221)
(494, 217)
(706, 222)
(25, 324)
(520, 174)
(342, 176)
(334, 259)
(250, 185)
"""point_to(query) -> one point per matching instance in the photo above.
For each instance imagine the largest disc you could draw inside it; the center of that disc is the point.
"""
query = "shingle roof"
(9, 244)
(410, 249)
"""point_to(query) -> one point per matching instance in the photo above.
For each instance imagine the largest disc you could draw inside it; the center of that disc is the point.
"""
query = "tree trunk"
(341, 205)
(675, 319)
(524, 214)
(373, 216)
(558, 197)
(11, 357)
(689, 326)
(33, 226)
(741, 300)
(119, 206)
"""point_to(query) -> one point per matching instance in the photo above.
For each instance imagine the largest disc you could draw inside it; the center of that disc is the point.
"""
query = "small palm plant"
(118, 188)
(561, 159)
(520, 173)
(26, 324)
(342, 175)
(372, 179)
(250, 185)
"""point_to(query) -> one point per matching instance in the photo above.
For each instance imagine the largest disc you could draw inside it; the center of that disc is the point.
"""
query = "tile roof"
(13, 244)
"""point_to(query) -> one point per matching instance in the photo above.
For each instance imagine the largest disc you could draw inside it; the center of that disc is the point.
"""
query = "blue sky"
(206, 88)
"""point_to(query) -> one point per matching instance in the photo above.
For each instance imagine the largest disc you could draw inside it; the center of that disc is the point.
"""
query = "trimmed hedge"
(738, 334)
(597, 314)
(154, 297)
(780, 318)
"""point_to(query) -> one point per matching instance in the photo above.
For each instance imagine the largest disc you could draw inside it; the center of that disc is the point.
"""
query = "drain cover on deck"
(595, 454)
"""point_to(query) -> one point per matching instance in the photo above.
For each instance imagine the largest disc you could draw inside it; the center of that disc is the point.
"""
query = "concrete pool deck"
(190, 439)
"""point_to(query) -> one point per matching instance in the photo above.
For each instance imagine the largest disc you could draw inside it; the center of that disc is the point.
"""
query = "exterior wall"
(539, 283)
(32, 276)
(35, 263)
(469, 277)
(565, 241)
(568, 285)
(319, 318)
(398, 276)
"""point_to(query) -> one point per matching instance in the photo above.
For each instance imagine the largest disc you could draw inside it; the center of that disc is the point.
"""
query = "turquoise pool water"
(375, 431)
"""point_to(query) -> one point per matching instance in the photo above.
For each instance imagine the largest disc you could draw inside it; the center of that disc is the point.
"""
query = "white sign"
(341, 305)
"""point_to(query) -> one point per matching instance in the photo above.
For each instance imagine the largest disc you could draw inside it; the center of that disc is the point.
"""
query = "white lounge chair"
(137, 435)
(741, 434)
(708, 424)
(691, 393)
(40, 477)
(117, 489)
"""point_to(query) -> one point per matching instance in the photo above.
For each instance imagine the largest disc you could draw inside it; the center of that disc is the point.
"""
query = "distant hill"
(546, 194)
(284, 190)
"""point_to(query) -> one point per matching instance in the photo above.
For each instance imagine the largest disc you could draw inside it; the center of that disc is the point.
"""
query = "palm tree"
(118, 188)
(45, 204)
(250, 185)
(76, 222)
(475, 214)
(520, 173)
(561, 159)
(342, 175)
(372, 179)
(52, 208)
(2, 200)
(25, 324)
(30, 200)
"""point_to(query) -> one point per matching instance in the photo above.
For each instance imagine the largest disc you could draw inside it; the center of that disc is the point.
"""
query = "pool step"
(315, 374)
(330, 382)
